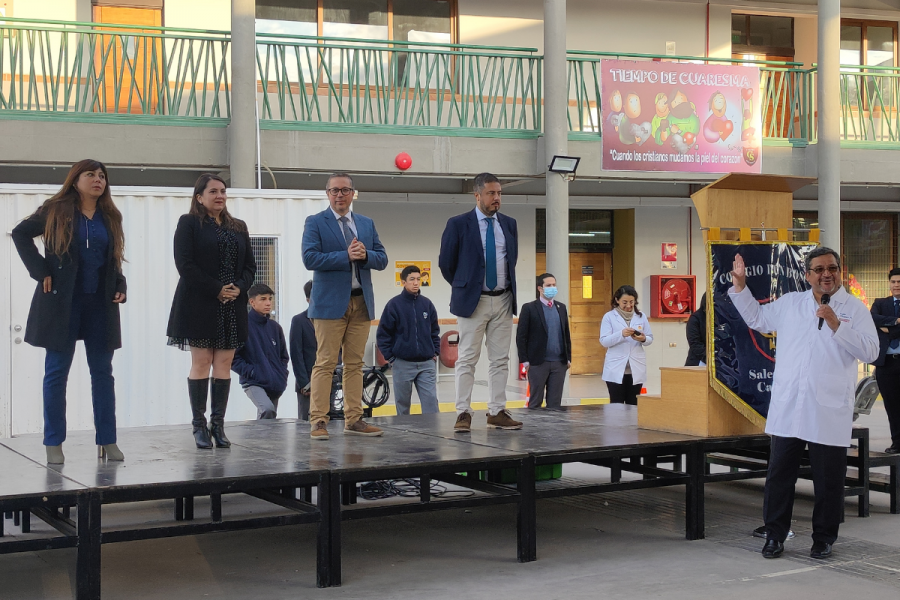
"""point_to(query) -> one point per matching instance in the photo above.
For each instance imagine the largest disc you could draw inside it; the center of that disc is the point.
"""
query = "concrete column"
(556, 141)
(242, 129)
(828, 99)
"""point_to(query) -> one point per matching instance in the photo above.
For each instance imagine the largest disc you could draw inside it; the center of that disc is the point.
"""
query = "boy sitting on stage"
(409, 337)
(262, 361)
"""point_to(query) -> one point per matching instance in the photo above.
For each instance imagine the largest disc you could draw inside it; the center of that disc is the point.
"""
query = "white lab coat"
(814, 384)
(622, 351)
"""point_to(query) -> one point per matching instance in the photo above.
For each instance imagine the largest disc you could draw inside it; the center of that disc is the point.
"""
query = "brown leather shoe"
(319, 431)
(362, 428)
(463, 423)
(503, 420)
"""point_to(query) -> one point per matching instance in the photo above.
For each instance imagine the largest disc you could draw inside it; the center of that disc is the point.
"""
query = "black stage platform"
(276, 461)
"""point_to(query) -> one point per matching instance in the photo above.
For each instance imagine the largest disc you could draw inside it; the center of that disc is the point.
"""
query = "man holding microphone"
(822, 333)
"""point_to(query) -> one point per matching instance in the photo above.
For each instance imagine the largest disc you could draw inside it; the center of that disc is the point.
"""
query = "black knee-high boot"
(198, 390)
(220, 390)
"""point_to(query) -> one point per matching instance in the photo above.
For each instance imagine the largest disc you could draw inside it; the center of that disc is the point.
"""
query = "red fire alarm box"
(672, 296)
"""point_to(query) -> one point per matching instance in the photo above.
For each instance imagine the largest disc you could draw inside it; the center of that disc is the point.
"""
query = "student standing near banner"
(819, 344)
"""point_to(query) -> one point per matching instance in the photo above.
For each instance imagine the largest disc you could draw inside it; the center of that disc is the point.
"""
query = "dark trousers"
(549, 376)
(302, 407)
(625, 392)
(88, 322)
(888, 378)
(829, 469)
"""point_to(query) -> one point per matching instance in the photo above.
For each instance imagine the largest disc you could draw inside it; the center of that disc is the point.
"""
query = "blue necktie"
(490, 256)
(348, 237)
(896, 343)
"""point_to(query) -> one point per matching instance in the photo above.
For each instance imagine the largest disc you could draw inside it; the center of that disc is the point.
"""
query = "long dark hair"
(626, 290)
(59, 213)
(199, 211)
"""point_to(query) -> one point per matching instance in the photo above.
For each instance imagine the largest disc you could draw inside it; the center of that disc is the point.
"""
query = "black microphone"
(825, 300)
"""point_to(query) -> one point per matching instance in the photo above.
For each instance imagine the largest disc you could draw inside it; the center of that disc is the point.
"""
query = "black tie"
(896, 343)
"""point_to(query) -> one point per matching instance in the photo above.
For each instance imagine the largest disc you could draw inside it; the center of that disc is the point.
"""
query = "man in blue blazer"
(478, 257)
(886, 315)
(341, 248)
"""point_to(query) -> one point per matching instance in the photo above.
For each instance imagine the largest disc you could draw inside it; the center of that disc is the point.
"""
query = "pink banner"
(669, 116)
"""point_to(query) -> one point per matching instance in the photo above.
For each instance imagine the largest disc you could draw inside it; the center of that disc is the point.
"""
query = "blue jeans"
(88, 322)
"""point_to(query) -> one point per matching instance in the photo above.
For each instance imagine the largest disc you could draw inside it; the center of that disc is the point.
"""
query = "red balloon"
(727, 128)
(747, 93)
(688, 138)
(403, 161)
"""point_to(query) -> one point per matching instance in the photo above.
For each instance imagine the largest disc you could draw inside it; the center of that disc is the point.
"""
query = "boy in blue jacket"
(262, 361)
(409, 337)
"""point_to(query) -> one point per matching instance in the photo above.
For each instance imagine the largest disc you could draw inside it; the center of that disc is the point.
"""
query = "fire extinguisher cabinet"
(672, 296)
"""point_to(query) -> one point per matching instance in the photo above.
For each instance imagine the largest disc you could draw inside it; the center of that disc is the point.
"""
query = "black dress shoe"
(892, 449)
(773, 549)
(820, 550)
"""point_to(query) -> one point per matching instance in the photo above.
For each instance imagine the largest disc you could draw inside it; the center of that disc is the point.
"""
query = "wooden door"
(585, 314)
(130, 64)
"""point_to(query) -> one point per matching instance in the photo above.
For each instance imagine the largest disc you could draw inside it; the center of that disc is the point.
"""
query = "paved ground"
(621, 545)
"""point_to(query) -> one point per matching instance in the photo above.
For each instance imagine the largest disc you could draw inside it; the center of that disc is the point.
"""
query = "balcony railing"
(156, 74)
(406, 87)
(90, 68)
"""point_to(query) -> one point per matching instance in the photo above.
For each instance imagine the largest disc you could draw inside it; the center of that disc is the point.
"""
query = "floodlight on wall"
(565, 166)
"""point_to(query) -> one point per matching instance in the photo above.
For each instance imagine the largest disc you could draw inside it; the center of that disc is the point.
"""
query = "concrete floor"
(620, 545)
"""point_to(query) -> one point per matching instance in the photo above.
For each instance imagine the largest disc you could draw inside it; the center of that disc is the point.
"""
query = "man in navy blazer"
(478, 257)
(303, 348)
(886, 315)
(341, 248)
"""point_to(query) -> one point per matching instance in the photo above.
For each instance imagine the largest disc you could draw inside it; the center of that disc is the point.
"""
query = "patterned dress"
(226, 314)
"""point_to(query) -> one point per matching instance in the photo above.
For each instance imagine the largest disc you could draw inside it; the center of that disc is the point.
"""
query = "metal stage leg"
(348, 493)
(87, 571)
(864, 465)
(615, 469)
(694, 501)
(526, 518)
(17, 518)
(306, 493)
(26, 521)
(323, 536)
(67, 512)
(2, 519)
(215, 507)
(425, 488)
(188, 508)
(330, 499)
(894, 483)
(179, 509)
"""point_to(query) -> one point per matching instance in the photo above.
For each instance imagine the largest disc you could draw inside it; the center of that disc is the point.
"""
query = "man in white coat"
(812, 391)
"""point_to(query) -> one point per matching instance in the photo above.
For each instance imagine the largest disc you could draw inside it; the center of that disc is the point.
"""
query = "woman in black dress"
(209, 311)
(80, 286)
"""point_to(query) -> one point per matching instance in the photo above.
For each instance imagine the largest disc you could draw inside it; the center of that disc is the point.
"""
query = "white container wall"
(150, 376)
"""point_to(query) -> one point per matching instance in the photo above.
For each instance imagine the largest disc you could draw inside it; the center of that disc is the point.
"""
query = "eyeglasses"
(830, 268)
(340, 191)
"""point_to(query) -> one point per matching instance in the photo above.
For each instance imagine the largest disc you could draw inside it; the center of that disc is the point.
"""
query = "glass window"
(739, 30)
(775, 32)
(365, 19)
(290, 17)
(851, 45)
(589, 230)
(880, 46)
(422, 21)
(265, 252)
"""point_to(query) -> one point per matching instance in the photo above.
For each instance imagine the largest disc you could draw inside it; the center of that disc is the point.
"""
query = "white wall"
(655, 225)
(806, 34)
(198, 14)
(150, 377)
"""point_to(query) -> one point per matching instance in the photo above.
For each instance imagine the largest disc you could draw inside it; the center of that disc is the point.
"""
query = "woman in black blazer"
(80, 286)
(209, 311)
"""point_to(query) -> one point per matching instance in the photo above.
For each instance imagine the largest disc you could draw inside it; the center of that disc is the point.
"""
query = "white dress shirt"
(814, 384)
(500, 242)
(354, 281)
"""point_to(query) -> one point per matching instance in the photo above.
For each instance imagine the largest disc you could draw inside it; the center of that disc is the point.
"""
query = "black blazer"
(48, 318)
(531, 336)
(303, 349)
(883, 316)
(696, 337)
(461, 260)
(193, 314)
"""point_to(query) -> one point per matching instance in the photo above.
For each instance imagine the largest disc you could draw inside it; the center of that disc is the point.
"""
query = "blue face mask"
(549, 292)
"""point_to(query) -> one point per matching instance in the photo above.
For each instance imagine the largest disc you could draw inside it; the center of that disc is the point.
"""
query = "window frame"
(864, 24)
(782, 51)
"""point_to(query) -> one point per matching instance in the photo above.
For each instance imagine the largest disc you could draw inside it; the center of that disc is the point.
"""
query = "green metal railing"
(786, 93)
(870, 104)
(404, 87)
(64, 67)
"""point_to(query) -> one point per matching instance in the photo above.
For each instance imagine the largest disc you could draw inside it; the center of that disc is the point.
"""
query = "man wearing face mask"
(819, 344)
(544, 344)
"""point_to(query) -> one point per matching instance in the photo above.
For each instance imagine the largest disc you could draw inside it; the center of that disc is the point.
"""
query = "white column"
(828, 100)
(242, 129)
(556, 137)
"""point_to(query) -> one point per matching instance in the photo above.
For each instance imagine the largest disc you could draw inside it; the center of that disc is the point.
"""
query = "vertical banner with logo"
(672, 116)
(743, 360)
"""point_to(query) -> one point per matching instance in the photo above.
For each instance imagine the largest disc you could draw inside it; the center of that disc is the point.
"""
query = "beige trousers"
(349, 335)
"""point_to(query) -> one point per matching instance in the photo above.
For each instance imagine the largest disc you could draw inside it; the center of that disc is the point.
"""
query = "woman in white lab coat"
(624, 332)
